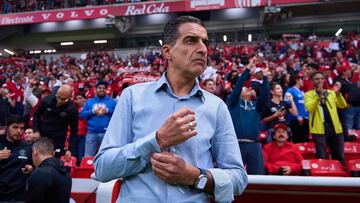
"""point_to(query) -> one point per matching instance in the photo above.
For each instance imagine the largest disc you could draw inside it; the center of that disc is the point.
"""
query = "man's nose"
(202, 48)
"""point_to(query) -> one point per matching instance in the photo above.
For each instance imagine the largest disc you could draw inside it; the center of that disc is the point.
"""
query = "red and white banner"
(200, 5)
(92, 12)
(280, 2)
(133, 9)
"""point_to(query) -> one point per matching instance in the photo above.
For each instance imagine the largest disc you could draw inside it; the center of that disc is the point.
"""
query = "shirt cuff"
(223, 188)
(147, 145)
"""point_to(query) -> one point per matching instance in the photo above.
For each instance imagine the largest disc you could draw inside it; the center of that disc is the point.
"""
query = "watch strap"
(202, 171)
(203, 174)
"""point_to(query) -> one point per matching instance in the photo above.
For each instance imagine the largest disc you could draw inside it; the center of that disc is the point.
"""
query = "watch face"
(202, 182)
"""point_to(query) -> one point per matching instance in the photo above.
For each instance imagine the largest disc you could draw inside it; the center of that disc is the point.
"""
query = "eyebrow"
(204, 40)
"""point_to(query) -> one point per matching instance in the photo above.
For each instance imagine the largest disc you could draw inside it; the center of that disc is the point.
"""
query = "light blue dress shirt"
(130, 141)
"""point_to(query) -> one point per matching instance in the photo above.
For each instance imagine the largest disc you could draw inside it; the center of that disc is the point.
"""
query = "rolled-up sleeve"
(230, 177)
(118, 155)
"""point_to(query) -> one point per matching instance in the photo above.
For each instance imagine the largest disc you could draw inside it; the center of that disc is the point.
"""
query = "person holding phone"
(277, 109)
(324, 121)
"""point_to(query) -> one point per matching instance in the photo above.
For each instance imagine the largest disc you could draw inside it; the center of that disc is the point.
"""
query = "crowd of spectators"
(277, 77)
(14, 6)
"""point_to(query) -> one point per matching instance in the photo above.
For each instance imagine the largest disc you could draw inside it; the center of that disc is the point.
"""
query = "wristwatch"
(201, 180)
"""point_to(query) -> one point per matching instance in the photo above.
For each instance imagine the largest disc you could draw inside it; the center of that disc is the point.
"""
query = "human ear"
(166, 51)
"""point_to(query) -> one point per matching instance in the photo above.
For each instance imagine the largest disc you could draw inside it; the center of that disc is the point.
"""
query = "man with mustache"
(280, 156)
(165, 137)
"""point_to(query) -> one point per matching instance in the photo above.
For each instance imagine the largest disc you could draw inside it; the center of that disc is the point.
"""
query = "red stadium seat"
(87, 162)
(307, 150)
(86, 168)
(324, 167)
(79, 172)
(353, 166)
(351, 151)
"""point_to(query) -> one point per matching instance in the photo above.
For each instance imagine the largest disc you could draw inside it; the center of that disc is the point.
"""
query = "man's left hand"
(173, 169)
(27, 169)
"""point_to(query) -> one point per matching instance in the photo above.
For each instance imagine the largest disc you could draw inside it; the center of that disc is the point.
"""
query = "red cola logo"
(146, 9)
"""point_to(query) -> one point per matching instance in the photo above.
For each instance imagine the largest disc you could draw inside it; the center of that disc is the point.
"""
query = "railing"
(294, 189)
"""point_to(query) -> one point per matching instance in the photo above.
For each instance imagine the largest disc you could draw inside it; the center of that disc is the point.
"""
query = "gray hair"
(44, 146)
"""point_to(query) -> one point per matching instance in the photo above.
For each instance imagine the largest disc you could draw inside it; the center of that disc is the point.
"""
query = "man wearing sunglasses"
(53, 117)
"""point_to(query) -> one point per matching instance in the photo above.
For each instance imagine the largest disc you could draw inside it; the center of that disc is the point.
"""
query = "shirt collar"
(163, 84)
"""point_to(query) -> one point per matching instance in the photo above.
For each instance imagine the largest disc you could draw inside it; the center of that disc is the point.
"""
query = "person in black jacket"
(53, 116)
(15, 161)
(351, 92)
(50, 181)
(6, 103)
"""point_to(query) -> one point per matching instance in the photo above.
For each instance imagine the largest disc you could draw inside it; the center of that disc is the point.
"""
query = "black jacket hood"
(54, 163)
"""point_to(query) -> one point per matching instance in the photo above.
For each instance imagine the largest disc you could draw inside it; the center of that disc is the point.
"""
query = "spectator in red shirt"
(68, 159)
(309, 70)
(327, 75)
(16, 90)
(280, 156)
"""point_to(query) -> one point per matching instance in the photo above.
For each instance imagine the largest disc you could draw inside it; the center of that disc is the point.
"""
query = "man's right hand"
(279, 113)
(97, 112)
(177, 128)
(5, 153)
(319, 90)
(252, 63)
